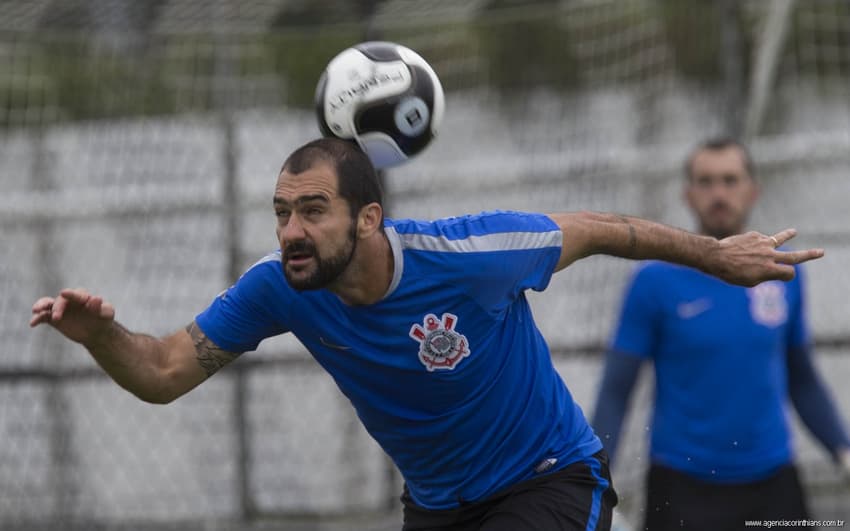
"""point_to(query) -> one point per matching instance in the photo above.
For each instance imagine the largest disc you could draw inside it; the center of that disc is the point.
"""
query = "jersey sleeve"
(521, 253)
(798, 327)
(239, 318)
(637, 326)
(493, 257)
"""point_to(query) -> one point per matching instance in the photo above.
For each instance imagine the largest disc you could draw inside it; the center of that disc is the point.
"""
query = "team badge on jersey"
(767, 303)
(440, 346)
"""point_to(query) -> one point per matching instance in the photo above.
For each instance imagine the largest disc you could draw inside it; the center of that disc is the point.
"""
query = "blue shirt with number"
(720, 370)
(448, 372)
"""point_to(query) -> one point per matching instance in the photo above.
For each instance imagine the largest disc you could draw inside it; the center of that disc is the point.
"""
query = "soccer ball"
(385, 97)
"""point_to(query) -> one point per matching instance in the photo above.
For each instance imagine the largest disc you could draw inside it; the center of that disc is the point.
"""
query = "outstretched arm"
(157, 370)
(745, 259)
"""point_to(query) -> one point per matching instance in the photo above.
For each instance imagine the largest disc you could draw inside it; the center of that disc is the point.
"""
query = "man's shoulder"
(468, 225)
(468, 244)
(486, 231)
(267, 267)
(270, 258)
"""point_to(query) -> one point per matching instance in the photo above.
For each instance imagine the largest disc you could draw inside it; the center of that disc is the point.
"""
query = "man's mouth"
(719, 210)
(298, 255)
(297, 259)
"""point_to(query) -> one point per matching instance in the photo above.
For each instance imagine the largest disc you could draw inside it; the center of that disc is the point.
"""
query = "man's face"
(720, 191)
(314, 227)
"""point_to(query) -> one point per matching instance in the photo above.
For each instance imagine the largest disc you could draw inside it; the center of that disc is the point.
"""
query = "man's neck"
(369, 275)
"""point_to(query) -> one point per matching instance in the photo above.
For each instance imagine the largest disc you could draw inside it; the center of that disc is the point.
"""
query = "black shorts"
(578, 497)
(678, 501)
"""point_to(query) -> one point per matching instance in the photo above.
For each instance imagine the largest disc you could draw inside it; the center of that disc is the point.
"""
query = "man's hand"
(843, 458)
(750, 258)
(78, 315)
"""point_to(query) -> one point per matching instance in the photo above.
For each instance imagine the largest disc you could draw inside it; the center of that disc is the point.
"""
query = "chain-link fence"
(140, 145)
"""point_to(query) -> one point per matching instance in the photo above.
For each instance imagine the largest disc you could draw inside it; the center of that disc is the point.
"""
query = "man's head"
(327, 197)
(721, 186)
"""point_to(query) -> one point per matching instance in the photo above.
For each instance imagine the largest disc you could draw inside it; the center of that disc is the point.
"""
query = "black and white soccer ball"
(384, 96)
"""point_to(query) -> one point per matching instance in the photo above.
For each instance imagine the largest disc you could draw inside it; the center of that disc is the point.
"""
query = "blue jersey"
(448, 372)
(719, 353)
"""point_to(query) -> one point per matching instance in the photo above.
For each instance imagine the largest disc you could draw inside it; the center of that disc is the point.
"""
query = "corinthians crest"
(767, 303)
(440, 346)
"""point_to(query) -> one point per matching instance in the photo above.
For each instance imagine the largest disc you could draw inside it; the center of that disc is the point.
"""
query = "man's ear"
(369, 220)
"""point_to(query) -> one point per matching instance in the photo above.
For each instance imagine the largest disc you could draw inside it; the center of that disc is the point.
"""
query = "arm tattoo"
(632, 237)
(211, 357)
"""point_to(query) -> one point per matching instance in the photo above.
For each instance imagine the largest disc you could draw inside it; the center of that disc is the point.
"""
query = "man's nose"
(718, 189)
(292, 231)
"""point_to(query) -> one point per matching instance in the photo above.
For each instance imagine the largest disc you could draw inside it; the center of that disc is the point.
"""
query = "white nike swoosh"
(332, 345)
(689, 310)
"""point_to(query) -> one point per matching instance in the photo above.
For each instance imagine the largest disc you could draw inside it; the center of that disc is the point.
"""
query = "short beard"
(718, 234)
(327, 270)
(724, 231)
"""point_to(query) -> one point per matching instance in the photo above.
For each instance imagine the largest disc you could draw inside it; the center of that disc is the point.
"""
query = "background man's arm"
(618, 380)
(745, 259)
(816, 408)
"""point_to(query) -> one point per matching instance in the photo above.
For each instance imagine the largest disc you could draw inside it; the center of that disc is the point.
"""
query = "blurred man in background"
(726, 358)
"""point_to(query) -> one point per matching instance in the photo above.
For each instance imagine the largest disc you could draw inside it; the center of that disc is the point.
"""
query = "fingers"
(798, 257)
(51, 310)
(38, 319)
(66, 298)
(783, 236)
(784, 273)
(793, 257)
(41, 311)
(107, 311)
(785, 260)
(78, 295)
(42, 304)
(93, 304)
(99, 307)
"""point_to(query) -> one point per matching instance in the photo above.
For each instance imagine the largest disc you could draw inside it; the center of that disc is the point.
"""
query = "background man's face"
(720, 191)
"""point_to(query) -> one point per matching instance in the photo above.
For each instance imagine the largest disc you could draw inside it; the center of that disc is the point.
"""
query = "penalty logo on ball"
(411, 116)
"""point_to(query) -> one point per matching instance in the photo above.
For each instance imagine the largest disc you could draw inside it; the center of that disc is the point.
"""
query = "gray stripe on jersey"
(273, 256)
(500, 241)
